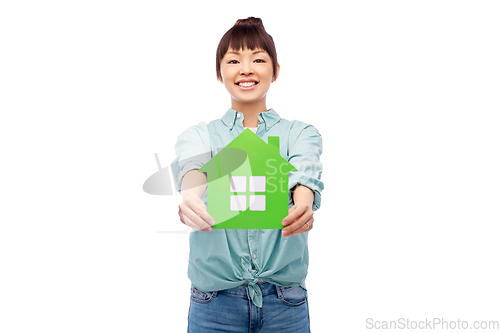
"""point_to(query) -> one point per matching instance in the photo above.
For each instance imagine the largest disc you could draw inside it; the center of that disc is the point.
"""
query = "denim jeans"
(284, 310)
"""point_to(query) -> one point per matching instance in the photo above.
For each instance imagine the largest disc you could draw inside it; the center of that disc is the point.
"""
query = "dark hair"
(249, 34)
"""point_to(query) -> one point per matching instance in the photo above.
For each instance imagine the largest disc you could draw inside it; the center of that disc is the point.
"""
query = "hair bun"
(250, 20)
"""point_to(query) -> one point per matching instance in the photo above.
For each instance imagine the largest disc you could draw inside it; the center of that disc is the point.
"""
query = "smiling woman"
(243, 277)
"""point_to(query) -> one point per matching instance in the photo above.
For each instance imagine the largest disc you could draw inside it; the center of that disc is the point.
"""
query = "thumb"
(286, 219)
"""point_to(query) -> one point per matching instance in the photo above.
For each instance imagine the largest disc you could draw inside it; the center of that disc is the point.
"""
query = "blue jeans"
(284, 310)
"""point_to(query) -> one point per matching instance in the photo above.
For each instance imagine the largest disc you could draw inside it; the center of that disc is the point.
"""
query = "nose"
(246, 68)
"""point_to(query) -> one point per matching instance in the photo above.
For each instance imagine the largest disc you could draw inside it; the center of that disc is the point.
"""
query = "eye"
(259, 60)
(232, 62)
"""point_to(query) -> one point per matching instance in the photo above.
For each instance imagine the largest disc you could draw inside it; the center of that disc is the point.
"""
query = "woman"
(245, 279)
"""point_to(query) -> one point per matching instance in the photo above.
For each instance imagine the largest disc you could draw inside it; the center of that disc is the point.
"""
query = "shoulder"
(215, 125)
(194, 135)
(195, 129)
(199, 130)
(299, 130)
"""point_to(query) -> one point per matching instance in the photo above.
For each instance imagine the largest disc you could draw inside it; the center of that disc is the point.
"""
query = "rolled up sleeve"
(192, 151)
(304, 151)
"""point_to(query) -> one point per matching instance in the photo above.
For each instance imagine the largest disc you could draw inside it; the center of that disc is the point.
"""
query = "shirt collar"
(270, 118)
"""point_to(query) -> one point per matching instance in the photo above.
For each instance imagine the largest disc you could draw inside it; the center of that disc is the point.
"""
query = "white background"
(404, 93)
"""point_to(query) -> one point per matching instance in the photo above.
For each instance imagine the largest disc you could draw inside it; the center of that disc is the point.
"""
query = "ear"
(277, 73)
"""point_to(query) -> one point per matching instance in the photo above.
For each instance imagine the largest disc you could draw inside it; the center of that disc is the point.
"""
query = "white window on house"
(257, 184)
(257, 202)
(238, 185)
(238, 202)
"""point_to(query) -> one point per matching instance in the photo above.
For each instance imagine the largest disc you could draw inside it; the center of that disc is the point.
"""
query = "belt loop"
(279, 292)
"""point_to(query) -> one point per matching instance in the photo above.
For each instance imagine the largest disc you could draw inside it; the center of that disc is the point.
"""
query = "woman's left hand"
(299, 220)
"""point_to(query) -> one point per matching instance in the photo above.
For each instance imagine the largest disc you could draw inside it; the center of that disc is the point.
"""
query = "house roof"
(248, 146)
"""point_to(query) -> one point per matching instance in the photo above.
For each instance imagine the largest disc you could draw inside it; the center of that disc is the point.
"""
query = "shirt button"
(254, 256)
(267, 125)
(238, 115)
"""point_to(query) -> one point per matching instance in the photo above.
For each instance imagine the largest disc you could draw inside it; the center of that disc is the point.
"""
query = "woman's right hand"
(193, 213)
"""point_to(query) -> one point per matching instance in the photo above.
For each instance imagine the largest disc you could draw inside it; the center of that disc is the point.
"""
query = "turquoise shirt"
(226, 258)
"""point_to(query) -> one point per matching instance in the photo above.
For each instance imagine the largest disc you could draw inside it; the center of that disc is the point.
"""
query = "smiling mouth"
(247, 84)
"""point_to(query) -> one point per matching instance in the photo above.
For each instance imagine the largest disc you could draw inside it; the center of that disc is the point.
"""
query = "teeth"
(247, 84)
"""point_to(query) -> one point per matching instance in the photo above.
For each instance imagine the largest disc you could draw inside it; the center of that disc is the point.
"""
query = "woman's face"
(247, 75)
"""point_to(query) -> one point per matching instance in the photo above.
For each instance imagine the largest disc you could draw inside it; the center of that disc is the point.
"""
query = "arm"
(305, 184)
(192, 152)
(300, 216)
(303, 194)
(304, 154)
(192, 210)
(193, 183)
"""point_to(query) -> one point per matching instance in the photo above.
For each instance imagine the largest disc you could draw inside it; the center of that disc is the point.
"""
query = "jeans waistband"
(258, 282)
(242, 289)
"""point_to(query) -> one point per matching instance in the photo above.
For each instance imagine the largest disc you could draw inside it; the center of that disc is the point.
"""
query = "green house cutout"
(248, 184)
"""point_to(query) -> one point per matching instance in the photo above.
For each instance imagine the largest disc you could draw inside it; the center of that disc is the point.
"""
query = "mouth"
(247, 85)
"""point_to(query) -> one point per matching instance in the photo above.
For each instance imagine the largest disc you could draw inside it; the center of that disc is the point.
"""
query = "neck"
(250, 111)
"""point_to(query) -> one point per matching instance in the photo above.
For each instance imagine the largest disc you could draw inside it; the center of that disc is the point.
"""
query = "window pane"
(238, 202)
(257, 202)
(257, 184)
(238, 184)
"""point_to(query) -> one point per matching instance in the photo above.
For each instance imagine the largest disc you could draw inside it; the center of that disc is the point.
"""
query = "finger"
(299, 226)
(296, 213)
(304, 228)
(199, 207)
(201, 210)
(180, 215)
(196, 219)
(298, 221)
(193, 225)
(293, 213)
(190, 223)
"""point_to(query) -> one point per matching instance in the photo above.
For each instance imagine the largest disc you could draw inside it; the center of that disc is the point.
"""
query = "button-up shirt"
(226, 258)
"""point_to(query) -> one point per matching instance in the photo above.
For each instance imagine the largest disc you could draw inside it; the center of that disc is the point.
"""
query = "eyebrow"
(255, 52)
